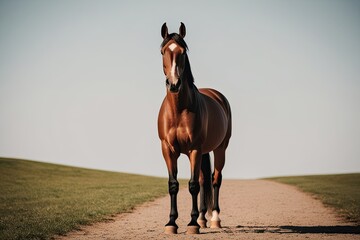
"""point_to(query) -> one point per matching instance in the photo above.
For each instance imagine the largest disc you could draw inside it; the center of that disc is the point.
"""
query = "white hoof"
(215, 220)
(215, 224)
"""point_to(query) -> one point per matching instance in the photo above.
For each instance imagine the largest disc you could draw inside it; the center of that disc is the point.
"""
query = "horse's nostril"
(167, 82)
(173, 88)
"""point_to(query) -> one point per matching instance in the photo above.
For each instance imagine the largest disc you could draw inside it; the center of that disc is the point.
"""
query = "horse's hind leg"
(219, 162)
(206, 195)
(202, 220)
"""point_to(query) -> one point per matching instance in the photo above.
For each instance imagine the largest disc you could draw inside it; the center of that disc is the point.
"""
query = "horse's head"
(173, 50)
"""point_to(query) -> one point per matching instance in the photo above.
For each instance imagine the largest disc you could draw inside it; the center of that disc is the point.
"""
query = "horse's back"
(219, 115)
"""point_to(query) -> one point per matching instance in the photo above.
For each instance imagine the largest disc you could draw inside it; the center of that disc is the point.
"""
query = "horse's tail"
(207, 186)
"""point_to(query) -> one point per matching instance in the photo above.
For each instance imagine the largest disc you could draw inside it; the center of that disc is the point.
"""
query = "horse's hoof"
(215, 224)
(170, 230)
(202, 223)
(192, 230)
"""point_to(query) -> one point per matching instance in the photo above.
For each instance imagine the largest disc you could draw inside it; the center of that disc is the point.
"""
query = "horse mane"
(188, 73)
(187, 70)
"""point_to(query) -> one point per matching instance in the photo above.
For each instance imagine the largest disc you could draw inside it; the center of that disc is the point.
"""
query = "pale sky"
(81, 82)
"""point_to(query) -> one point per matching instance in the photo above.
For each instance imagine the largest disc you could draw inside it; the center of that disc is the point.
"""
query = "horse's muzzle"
(174, 88)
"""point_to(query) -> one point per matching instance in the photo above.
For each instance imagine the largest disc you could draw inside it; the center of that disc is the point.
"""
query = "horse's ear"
(164, 30)
(182, 30)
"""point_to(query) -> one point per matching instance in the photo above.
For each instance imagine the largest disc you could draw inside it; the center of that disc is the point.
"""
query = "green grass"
(341, 191)
(40, 200)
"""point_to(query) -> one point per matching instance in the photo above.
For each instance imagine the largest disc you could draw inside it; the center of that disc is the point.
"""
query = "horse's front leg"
(194, 188)
(171, 163)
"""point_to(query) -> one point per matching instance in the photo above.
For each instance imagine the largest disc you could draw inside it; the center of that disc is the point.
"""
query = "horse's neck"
(183, 100)
(186, 98)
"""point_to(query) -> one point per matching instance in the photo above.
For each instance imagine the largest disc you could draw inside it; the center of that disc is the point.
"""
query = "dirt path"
(254, 209)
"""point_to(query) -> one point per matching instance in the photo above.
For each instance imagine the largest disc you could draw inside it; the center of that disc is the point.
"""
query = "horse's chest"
(184, 135)
(188, 133)
(185, 131)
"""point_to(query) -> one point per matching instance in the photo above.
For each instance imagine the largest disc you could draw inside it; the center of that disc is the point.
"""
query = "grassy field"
(340, 191)
(39, 200)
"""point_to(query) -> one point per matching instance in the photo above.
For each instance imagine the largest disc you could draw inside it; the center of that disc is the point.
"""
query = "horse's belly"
(216, 127)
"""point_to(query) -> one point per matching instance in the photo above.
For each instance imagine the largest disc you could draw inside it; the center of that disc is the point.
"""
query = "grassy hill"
(39, 200)
(340, 191)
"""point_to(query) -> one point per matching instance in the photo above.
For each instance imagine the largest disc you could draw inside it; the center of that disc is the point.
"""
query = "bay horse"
(194, 122)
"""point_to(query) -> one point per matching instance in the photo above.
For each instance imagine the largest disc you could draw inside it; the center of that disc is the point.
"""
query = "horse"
(193, 122)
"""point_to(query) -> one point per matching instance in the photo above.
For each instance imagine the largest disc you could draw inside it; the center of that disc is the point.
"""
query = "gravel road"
(250, 209)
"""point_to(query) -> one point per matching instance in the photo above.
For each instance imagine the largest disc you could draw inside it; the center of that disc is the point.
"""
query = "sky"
(81, 82)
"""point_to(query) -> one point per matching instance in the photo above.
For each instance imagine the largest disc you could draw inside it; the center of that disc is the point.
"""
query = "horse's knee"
(194, 187)
(173, 186)
(217, 179)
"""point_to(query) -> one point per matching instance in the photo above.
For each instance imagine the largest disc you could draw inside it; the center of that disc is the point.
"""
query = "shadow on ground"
(299, 229)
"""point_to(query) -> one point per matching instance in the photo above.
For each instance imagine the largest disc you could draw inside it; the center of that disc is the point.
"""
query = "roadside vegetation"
(340, 191)
(40, 200)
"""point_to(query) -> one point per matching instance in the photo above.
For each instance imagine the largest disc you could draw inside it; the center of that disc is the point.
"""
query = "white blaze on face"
(172, 47)
(173, 69)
